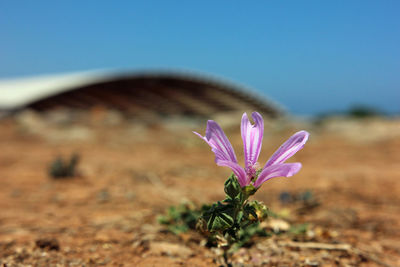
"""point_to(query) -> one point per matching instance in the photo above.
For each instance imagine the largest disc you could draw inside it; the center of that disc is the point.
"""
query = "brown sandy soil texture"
(130, 173)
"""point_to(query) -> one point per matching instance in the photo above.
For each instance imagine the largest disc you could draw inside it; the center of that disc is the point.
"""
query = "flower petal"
(289, 148)
(219, 143)
(252, 136)
(277, 170)
(237, 170)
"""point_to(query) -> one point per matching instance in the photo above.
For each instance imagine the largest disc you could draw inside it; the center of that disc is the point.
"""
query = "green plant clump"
(61, 168)
(180, 219)
(235, 220)
(184, 217)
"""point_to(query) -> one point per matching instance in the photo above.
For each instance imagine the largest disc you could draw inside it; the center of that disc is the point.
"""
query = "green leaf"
(232, 187)
(219, 217)
(239, 216)
(250, 210)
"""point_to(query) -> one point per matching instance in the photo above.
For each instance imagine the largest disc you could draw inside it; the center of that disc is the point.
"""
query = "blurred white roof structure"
(162, 93)
(18, 92)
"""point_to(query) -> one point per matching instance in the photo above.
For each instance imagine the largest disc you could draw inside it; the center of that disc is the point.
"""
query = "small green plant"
(61, 168)
(180, 219)
(298, 229)
(234, 221)
(187, 216)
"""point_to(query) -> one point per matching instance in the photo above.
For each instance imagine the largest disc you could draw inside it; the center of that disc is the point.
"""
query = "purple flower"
(252, 135)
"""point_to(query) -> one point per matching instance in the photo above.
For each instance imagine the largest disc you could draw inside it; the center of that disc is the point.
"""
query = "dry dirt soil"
(130, 173)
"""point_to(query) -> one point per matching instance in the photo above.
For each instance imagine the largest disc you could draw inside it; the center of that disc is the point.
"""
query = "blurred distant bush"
(61, 168)
(354, 112)
(361, 111)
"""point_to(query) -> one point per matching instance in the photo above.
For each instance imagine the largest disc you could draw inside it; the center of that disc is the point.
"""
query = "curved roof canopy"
(162, 93)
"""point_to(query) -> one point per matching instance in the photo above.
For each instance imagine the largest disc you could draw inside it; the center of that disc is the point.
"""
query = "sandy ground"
(131, 173)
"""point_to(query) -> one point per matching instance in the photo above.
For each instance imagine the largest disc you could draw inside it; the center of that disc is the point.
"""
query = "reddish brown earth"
(130, 174)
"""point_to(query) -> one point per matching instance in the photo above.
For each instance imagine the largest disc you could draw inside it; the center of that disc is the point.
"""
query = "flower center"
(251, 170)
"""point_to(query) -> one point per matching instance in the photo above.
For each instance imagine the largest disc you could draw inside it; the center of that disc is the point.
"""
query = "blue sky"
(311, 56)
